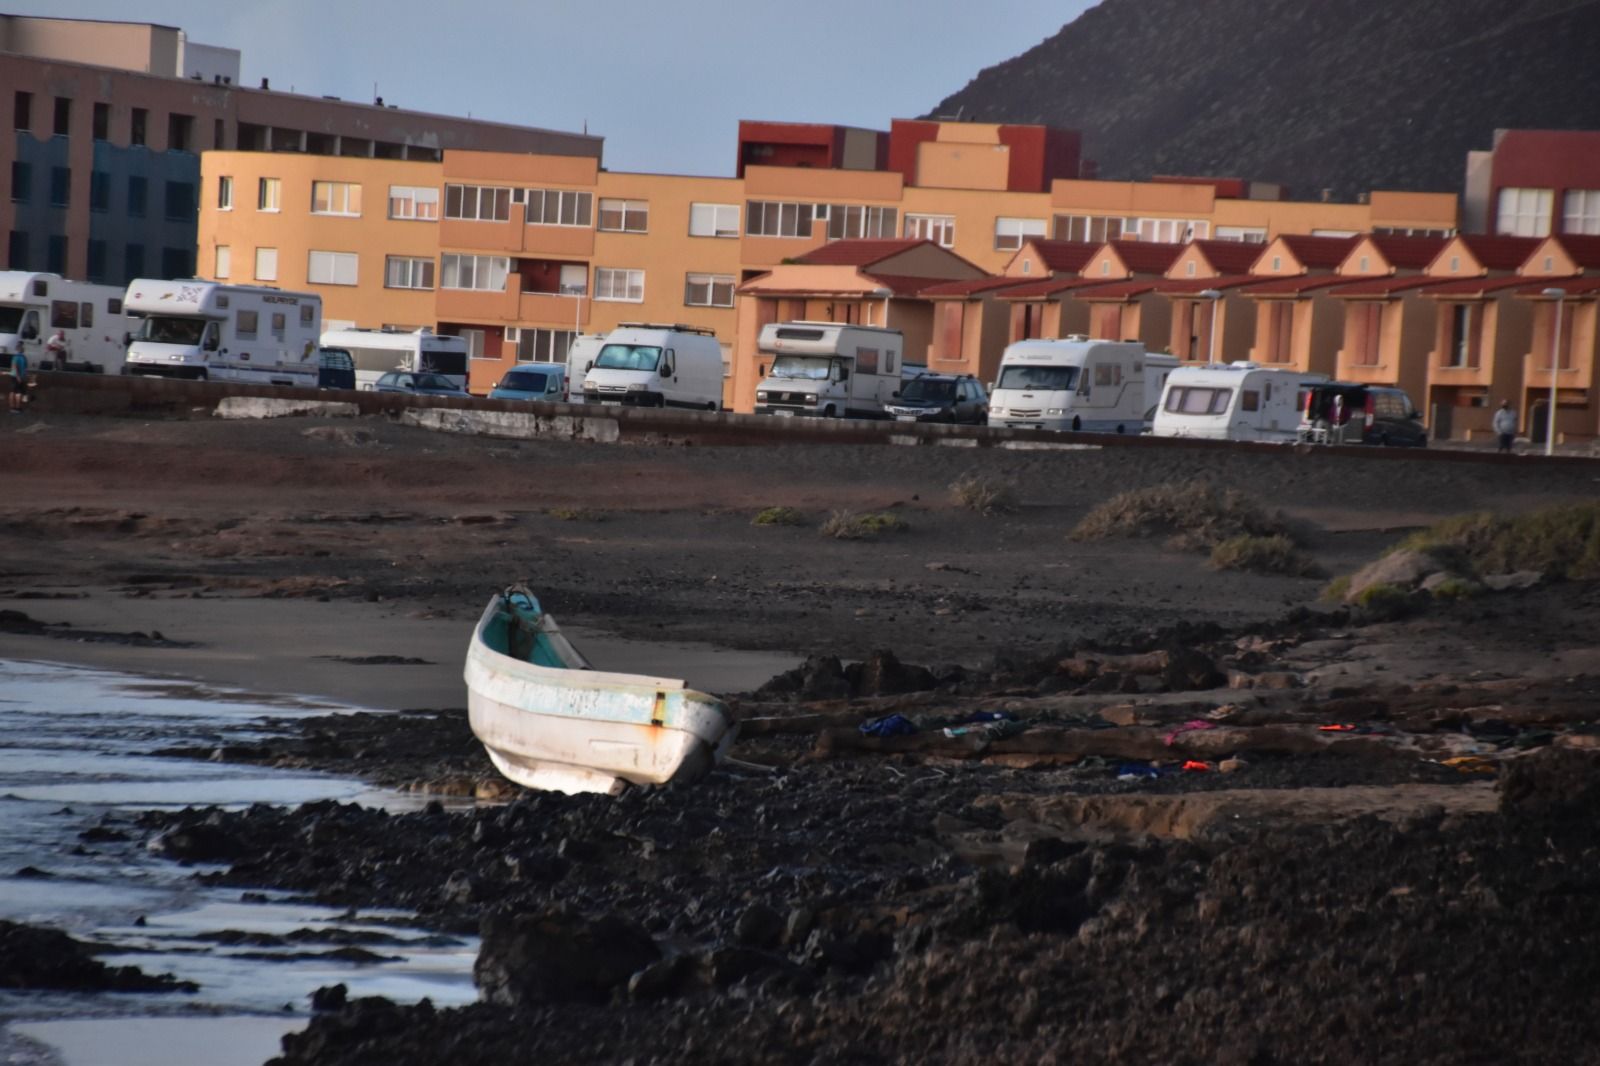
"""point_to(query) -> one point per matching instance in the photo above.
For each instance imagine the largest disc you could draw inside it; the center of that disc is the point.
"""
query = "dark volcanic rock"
(34, 958)
(558, 956)
(1554, 785)
(883, 674)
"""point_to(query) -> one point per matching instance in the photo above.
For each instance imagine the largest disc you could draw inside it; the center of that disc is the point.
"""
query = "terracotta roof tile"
(1407, 252)
(1472, 286)
(1065, 257)
(1574, 286)
(1047, 287)
(1118, 290)
(1585, 250)
(902, 284)
(1230, 257)
(1191, 286)
(1316, 252)
(1500, 252)
(1384, 286)
(1147, 257)
(1295, 285)
(971, 287)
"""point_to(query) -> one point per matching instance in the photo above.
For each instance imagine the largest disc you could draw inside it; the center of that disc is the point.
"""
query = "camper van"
(36, 309)
(643, 364)
(1233, 401)
(828, 369)
(1078, 384)
(207, 330)
(378, 351)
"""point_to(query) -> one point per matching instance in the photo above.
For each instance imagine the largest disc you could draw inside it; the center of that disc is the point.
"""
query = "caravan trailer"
(1078, 384)
(1233, 401)
(210, 331)
(35, 307)
(378, 351)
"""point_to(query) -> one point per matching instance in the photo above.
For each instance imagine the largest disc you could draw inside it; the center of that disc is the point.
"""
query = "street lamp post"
(1214, 296)
(1559, 296)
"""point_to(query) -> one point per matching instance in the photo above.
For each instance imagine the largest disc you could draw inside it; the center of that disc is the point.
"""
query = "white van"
(378, 351)
(644, 364)
(207, 330)
(1232, 401)
(581, 354)
(828, 369)
(36, 307)
(1078, 384)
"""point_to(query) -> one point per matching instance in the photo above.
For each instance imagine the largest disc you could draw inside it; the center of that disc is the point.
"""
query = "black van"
(1344, 412)
(336, 369)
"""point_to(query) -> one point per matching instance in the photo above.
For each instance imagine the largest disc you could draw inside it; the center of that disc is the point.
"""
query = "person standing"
(57, 351)
(1505, 426)
(19, 382)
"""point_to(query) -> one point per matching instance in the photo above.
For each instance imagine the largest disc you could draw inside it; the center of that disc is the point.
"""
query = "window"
(483, 272)
(245, 323)
(708, 290)
(133, 260)
(64, 314)
(332, 268)
(940, 229)
(307, 313)
(1250, 400)
(97, 261)
(102, 122)
(63, 124)
(60, 186)
(180, 201)
(266, 264)
(180, 132)
(625, 216)
(279, 322)
(21, 181)
(1581, 211)
(713, 220)
(543, 345)
(1364, 331)
(574, 279)
(853, 222)
(613, 284)
(404, 272)
(1460, 351)
(269, 194)
(558, 207)
(1096, 229)
(1010, 233)
(224, 265)
(1525, 212)
(218, 132)
(177, 263)
(224, 192)
(17, 249)
(417, 202)
(771, 218)
(474, 339)
(477, 203)
(1195, 400)
(138, 194)
(1243, 234)
(335, 198)
(22, 111)
(136, 126)
(1169, 230)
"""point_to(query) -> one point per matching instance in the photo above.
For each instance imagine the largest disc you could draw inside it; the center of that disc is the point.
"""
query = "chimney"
(264, 84)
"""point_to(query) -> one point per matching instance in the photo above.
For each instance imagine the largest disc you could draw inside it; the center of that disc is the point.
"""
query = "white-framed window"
(775, 218)
(1170, 230)
(336, 198)
(1580, 211)
(486, 273)
(246, 323)
(1333, 232)
(853, 221)
(574, 279)
(940, 229)
(611, 283)
(266, 264)
(269, 194)
(538, 345)
(708, 290)
(625, 216)
(713, 220)
(1525, 212)
(224, 192)
(475, 339)
(1094, 228)
(1010, 233)
(224, 265)
(1242, 234)
(407, 272)
(727, 360)
(477, 203)
(419, 203)
(558, 207)
(332, 268)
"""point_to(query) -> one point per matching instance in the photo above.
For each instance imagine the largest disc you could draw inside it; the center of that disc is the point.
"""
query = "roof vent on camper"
(1075, 337)
(1244, 364)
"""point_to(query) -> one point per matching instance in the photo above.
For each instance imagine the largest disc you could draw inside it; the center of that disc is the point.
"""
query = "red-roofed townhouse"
(1388, 324)
(1124, 304)
(1480, 333)
(869, 282)
(1044, 271)
(1298, 325)
(1570, 264)
(971, 326)
(1202, 285)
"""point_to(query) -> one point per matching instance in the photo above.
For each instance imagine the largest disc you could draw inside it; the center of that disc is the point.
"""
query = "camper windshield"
(164, 329)
(801, 367)
(1047, 378)
(10, 319)
(935, 391)
(627, 357)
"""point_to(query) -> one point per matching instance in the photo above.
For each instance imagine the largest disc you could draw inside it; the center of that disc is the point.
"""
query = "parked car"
(1343, 412)
(418, 384)
(533, 381)
(336, 369)
(940, 398)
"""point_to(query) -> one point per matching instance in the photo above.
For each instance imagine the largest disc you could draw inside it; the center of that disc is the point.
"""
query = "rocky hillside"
(1343, 94)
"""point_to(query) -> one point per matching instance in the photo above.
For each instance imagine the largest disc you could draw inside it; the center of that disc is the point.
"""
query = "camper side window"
(245, 324)
(867, 360)
(1250, 400)
(1108, 374)
(306, 314)
(278, 324)
(63, 314)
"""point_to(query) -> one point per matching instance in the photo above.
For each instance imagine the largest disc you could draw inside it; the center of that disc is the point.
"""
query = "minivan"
(533, 381)
(1345, 412)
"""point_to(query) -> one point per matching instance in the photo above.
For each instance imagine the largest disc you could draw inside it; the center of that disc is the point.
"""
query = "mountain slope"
(1350, 95)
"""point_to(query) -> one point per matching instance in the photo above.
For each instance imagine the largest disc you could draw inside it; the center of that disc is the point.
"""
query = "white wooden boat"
(550, 721)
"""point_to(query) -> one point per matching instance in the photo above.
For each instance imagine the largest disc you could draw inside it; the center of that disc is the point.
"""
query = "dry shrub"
(1558, 541)
(846, 525)
(1192, 516)
(1263, 555)
(984, 495)
(778, 516)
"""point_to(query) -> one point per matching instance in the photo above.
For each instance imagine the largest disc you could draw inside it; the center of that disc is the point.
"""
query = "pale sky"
(665, 83)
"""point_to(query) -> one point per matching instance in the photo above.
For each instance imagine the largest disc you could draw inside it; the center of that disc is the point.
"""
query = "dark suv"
(1343, 412)
(940, 398)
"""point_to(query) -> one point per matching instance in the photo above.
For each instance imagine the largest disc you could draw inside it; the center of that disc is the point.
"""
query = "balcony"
(479, 305)
(1536, 374)
(561, 242)
(553, 308)
(483, 236)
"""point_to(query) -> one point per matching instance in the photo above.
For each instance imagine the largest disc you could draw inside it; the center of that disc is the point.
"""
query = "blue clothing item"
(890, 725)
(19, 368)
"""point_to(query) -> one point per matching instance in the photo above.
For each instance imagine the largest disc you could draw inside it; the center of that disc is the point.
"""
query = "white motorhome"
(1232, 401)
(581, 354)
(208, 330)
(643, 364)
(35, 308)
(378, 351)
(828, 369)
(1078, 384)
